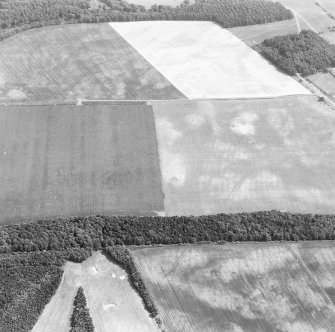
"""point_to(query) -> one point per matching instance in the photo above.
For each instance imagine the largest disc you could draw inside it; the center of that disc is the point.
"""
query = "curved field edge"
(242, 287)
(13, 14)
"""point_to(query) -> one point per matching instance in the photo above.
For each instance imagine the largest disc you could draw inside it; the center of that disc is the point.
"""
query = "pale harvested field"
(113, 304)
(78, 160)
(77, 61)
(255, 34)
(325, 81)
(242, 287)
(247, 155)
(310, 15)
(202, 60)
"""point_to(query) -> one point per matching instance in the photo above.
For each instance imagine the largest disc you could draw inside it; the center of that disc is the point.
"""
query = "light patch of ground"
(242, 287)
(16, 94)
(202, 60)
(113, 304)
(244, 124)
(246, 155)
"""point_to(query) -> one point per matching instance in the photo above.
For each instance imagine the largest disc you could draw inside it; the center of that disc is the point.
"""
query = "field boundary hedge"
(122, 257)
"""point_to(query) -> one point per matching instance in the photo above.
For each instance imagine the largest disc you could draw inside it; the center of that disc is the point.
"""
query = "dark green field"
(81, 61)
(78, 160)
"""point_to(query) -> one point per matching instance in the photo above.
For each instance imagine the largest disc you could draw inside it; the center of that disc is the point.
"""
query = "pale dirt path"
(114, 305)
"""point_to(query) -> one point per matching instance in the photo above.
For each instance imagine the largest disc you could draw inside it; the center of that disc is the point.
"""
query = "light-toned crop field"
(242, 287)
(325, 81)
(310, 15)
(247, 155)
(80, 61)
(202, 60)
(255, 34)
(78, 160)
(113, 304)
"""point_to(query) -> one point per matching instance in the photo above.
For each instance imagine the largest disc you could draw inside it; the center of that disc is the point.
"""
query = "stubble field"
(255, 34)
(113, 304)
(78, 160)
(202, 60)
(242, 287)
(81, 61)
(246, 155)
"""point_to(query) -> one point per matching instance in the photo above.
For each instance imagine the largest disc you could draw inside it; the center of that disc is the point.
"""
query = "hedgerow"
(19, 15)
(121, 256)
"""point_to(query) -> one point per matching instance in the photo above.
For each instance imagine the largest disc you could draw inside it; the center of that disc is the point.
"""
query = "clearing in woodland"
(242, 287)
(246, 155)
(202, 60)
(78, 160)
(113, 303)
(79, 61)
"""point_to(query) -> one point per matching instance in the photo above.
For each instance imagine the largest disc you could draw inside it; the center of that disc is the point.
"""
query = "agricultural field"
(79, 61)
(78, 160)
(113, 304)
(246, 155)
(242, 287)
(325, 81)
(255, 34)
(309, 15)
(202, 60)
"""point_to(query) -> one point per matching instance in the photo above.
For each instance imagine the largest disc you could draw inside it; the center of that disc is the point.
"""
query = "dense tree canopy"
(28, 281)
(81, 320)
(18, 15)
(100, 232)
(305, 53)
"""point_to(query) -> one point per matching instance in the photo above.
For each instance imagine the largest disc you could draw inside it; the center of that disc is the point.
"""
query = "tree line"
(19, 15)
(95, 233)
(305, 53)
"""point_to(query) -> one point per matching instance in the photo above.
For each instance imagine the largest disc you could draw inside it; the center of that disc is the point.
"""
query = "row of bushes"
(18, 15)
(305, 53)
(81, 320)
(28, 281)
(121, 256)
(101, 232)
